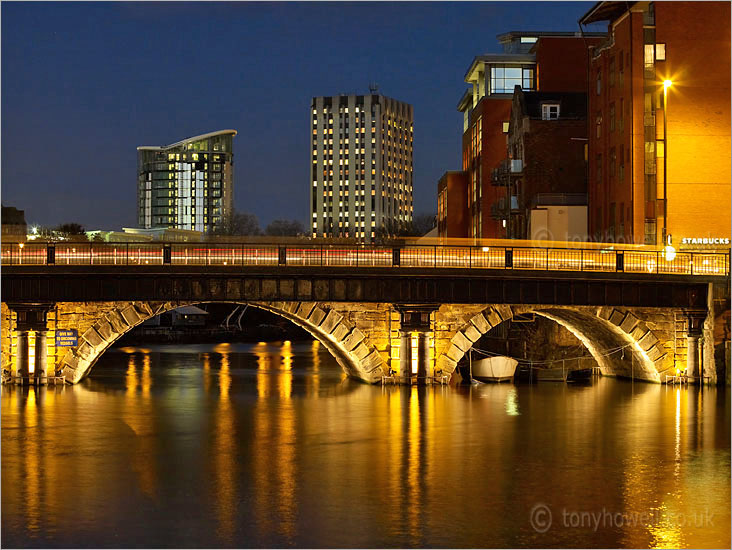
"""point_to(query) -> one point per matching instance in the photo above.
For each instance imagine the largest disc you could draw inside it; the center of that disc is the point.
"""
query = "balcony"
(509, 167)
(498, 209)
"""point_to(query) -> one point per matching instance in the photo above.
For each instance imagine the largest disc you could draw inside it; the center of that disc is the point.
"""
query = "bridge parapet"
(599, 258)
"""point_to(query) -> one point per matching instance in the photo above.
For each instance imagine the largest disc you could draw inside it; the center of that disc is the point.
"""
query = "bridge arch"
(345, 341)
(645, 355)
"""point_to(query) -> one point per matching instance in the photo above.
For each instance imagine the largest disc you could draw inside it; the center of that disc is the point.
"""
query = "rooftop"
(187, 140)
(605, 11)
(572, 105)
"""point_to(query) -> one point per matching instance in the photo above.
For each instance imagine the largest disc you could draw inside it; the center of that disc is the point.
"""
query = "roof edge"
(186, 140)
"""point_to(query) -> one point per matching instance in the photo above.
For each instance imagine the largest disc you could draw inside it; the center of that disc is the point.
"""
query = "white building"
(361, 175)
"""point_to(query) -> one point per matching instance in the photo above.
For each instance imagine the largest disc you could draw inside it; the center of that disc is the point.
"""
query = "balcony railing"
(363, 256)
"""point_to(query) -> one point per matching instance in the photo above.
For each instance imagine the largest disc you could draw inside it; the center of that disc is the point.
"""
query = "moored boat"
(494, 369)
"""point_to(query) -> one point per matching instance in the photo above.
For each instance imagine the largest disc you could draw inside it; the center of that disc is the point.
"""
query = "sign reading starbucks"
(708, 241)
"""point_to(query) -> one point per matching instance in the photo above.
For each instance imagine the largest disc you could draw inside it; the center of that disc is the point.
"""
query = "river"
(269, 445)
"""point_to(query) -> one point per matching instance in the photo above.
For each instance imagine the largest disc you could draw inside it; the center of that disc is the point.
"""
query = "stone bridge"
(412, 322)
(368, 339)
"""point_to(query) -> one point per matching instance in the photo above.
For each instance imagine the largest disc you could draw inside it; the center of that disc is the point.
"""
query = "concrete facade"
(361, 176)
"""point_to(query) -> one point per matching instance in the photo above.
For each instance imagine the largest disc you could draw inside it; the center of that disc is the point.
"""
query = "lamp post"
(666, 85)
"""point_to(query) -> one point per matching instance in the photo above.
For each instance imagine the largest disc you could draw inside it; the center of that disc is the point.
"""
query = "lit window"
(505, 127)
(660, 52)
(505, 79)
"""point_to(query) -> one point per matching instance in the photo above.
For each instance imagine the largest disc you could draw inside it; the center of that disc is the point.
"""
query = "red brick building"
(452, 215)
(547, 166)
(545, 61)
(631, 197)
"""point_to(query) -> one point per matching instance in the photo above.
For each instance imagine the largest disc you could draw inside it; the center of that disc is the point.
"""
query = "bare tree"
(239, 223)
(285, 228)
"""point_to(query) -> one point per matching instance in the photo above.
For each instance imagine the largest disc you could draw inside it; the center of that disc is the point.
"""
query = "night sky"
(83, 84)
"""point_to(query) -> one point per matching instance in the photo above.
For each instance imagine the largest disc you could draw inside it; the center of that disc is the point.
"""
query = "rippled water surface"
(270, 446)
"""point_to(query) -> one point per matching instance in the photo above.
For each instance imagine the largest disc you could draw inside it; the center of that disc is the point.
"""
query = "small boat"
(494, 369)
(580, 375)
(554, 374)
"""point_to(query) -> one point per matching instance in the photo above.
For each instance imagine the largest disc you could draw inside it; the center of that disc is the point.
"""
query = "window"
(611, 73)
(598, 125)
(528, 39)
(660, 52)
(620, 114)
(599, 82)
(620, 69)
(613, 159)
(612, 117)
(550, 111)
(505, 79)
(648, 60)
(505, 127)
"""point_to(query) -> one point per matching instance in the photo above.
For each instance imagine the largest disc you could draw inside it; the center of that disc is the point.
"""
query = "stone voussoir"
(472, 333)
(330, 321)
(480, 323)
(461, 341)
(353, 339)
(455, 353)
(317, 316)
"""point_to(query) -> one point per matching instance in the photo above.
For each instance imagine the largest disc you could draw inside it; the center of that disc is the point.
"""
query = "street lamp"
(666, 85)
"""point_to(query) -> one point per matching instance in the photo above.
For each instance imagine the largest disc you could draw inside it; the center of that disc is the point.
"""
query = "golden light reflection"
(131, 375)
(225, 482)
(137, 412)
(206, 373)
(34, 466)
(263, 361)
(313, 381)
(146, 382)
(273, 455)
(224, 377)
(285, 379)
(414, 464)
(395, 452)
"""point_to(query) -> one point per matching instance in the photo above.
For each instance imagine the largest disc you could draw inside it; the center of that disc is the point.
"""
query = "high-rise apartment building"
(659, 108)
(186, 185)
(534, 61)
(361, 175)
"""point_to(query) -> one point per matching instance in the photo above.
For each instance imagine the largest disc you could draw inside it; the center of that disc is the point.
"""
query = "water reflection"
(224, 487)
(268, 445)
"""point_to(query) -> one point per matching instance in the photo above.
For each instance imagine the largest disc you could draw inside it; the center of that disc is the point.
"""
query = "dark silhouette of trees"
(285, 228)
(239, 223)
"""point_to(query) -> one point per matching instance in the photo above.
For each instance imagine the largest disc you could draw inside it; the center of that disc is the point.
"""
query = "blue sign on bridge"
(66, 338)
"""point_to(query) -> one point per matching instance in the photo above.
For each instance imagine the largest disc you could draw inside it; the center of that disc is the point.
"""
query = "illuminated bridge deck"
(477, 258)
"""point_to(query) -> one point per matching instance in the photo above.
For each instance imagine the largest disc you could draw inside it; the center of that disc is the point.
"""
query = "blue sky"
(83, 84)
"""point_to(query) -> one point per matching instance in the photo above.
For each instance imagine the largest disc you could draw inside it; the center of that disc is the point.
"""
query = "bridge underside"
(370, 340)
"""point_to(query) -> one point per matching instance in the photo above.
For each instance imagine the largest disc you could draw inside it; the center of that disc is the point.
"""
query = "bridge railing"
(465, 257)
